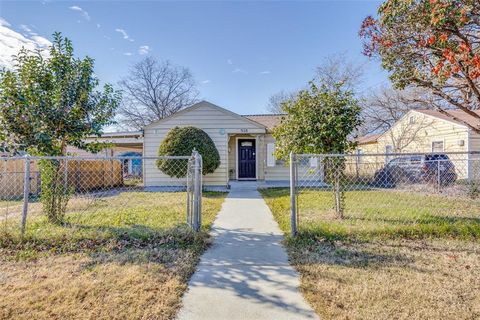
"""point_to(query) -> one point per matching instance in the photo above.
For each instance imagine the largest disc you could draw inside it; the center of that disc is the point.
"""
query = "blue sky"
(239, 52)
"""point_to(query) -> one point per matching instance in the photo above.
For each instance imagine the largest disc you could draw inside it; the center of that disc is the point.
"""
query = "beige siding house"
(425, 131)
(245, 145)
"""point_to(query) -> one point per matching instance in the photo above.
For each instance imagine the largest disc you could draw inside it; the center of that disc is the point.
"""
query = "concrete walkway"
(245, 274)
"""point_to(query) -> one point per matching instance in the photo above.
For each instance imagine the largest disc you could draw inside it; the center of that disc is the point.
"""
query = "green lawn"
(395, 255)
(123, 256)
(385, 214)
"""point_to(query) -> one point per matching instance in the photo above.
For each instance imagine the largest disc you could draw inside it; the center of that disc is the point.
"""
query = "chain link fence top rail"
(85, 192)
(381, 193)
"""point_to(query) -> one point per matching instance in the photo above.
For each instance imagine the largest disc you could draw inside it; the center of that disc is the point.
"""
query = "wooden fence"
(83, 175)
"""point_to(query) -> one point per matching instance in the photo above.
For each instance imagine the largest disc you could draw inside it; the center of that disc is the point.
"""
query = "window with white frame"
(272, 161)
(270, 154)
(437, 146)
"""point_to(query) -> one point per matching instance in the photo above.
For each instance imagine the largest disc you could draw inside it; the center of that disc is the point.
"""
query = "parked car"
(432, 168)
(438, 168)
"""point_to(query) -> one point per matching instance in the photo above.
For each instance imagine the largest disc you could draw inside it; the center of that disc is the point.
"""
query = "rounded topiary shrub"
(181, 142)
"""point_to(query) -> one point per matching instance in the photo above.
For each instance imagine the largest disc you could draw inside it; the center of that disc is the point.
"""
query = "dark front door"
(246, 159)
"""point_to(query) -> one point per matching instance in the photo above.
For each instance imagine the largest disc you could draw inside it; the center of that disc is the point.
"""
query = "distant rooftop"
(267, 120)
(456, 116)
(368, 138)
(122, 134)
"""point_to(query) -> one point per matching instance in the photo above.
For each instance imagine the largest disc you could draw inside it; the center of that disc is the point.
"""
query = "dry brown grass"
(391, 280)
(70, 287)
(399, 264)
(112, 268)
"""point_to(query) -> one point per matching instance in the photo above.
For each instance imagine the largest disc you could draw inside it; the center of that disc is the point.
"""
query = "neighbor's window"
(412, 120)
(437, 146)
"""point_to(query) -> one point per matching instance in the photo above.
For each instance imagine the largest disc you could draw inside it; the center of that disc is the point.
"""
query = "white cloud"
(238, 70)
(41, 41)
(143, 50)
(264, 72)
(83, 12)
(124, 34)
(4, 22)
(127, 54)
(25, 28)
(205, 81)
(229, 61)
(12, 41)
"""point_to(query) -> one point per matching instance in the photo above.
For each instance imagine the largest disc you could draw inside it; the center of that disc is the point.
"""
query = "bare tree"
(154, 90)
(334, 69)
(409, 132)
(337, 68)
(276, 101)
(384, 107)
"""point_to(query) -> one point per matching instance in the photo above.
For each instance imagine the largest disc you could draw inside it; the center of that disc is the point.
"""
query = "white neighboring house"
(429, 131)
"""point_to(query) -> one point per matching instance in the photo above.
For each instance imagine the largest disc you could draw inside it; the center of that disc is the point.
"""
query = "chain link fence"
(382, 193)
(81, 192)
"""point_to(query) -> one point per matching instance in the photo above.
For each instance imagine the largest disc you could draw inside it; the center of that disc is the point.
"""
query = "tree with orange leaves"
(432, 44)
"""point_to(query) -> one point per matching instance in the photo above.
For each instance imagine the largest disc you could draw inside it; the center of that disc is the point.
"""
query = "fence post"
(200, 188)
(293, 205)
(197, 191)
(26, 193)
(438, 176)
(189, 189)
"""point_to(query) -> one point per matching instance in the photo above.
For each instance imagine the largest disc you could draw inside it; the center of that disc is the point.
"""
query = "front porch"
(246, 154)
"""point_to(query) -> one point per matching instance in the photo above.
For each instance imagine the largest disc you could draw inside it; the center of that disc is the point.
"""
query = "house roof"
(368, 138)
(211, 105)
(122, 134)
(456, 116)
(267, 120)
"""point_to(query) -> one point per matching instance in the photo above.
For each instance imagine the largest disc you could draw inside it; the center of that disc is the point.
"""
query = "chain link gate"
(194, 191)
